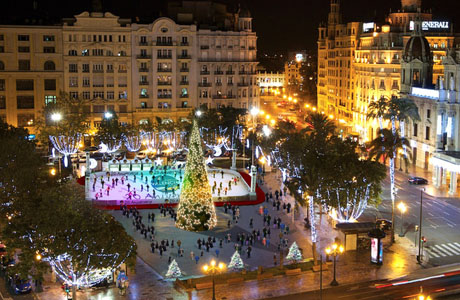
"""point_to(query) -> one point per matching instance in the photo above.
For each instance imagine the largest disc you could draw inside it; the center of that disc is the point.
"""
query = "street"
(441, 216)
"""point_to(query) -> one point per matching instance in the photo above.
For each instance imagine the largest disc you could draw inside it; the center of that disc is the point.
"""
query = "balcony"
(184, 56)
(242, 73)
(98, 71)
(122, 71)
(164, 83)
(122, 85)
(230, 72)
(252, 48)
(184, 69)
(204, 72)
(158, 43)
(164, 56)
(143, 69)
(183, 96)
(218, 83)
(164, 96)
(143, 96)
(204, 84)
(110, 85)
(143, 83)
(223, 97)
(183, 83)
(164, 70)
(109, 71)
(218, 72)
(184, 44)
(204, 47)
(143, 43)
(230, 83)
(145, 56)
(98, 85)
(243, 84)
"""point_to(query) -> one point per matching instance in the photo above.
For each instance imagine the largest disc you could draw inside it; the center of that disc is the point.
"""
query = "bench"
(204, 285)
(293, 272)
(235, 280)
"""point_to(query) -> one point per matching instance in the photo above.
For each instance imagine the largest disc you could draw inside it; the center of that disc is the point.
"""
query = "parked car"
(20, 286)
(417, 180)
(383, 224)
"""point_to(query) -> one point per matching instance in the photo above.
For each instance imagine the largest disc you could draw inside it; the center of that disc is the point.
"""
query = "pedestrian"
(217, 252)
(129, 187)
(197, 258)
(228, 223)
(192, 255)
(250, 223)
(169, 260)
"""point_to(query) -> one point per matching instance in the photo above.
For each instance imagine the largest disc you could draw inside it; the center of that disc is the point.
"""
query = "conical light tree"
(294, 253)
(173, 270)
(236, 263)
(196, 210)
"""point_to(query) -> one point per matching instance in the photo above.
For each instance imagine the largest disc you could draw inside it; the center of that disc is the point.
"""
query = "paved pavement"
(399, 260)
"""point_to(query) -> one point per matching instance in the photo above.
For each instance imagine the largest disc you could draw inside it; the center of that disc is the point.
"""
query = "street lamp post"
(254, 113)
(334, 250)
(213, 269)
(402, 208)
(419, 256)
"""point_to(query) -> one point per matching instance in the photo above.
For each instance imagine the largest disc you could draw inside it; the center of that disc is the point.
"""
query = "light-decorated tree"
(173, 270)
(236, 263)
(294, 253)
(196, 210)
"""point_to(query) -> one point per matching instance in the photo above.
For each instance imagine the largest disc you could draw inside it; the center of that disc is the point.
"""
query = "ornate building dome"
(411, 5)
(244, 13)
(417, 48)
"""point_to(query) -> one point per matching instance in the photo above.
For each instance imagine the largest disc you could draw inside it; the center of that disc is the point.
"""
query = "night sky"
(280, 25)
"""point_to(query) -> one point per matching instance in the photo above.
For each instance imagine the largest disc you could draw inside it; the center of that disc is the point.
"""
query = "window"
(144, 93)
(122, 53)
(25, 102)
(2, 102)
(98, 108)
(49, 50)
(23, 37)
(73, 81)
(50, 99)
(2, 85)
(98, 68)
(143, 104)
(86, 82)
(23, 49)
(427, 133)
(98, 52)
(85, 68)
(50, 84)
(86, 95)
(48, 38)
(73, 95)
(73, 68)
(2, 49)
(2, 37)
(49, 66)
(25, 120)
(85, 52)
(184, 40)
(98, 94)
(428, 113)
(415, 129)
(143, 40)
(123, 108)
(24, 84)
(110, 95)
(73, 53)
(122, 95)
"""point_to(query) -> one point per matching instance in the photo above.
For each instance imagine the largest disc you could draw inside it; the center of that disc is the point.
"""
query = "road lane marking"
(455, 248)
(431, 215)
(444, 249)
(428, 203)
(431, 254)
(433, 249)
(446, 213)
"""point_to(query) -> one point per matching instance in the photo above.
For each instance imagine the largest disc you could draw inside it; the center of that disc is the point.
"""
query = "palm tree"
(377, 110)
(405, 110)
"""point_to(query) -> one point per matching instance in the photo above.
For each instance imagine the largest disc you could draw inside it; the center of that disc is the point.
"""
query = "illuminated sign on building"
(427, 93)
(368, 27)
(431, 25)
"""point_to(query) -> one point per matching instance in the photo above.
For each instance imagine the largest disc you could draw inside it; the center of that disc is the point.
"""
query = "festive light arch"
(66, 145)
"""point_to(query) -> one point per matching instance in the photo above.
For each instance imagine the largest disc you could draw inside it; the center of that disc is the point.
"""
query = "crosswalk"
(443, 250)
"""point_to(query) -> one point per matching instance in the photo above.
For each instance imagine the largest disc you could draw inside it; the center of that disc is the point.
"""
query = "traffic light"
(423, 239)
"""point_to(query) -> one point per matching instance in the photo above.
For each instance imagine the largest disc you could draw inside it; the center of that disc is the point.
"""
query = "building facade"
(361, 62)
(140, 71)
(31, 72)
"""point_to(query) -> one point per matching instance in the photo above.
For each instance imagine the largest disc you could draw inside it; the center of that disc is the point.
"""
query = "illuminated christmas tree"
(236, 263)
(173, 270)
(196, 210)
(294, 253)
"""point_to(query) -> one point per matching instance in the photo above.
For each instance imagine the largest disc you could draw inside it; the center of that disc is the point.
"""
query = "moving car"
(383, 224)
(417, 180)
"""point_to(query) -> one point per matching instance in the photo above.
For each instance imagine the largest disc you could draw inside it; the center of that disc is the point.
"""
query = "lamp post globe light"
(198, 113)
(334, 250)
(56, 117)
(212, 269)
(402, 208)
(108, 115)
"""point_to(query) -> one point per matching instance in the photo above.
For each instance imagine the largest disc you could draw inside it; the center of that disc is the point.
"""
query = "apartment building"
(31, 72)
